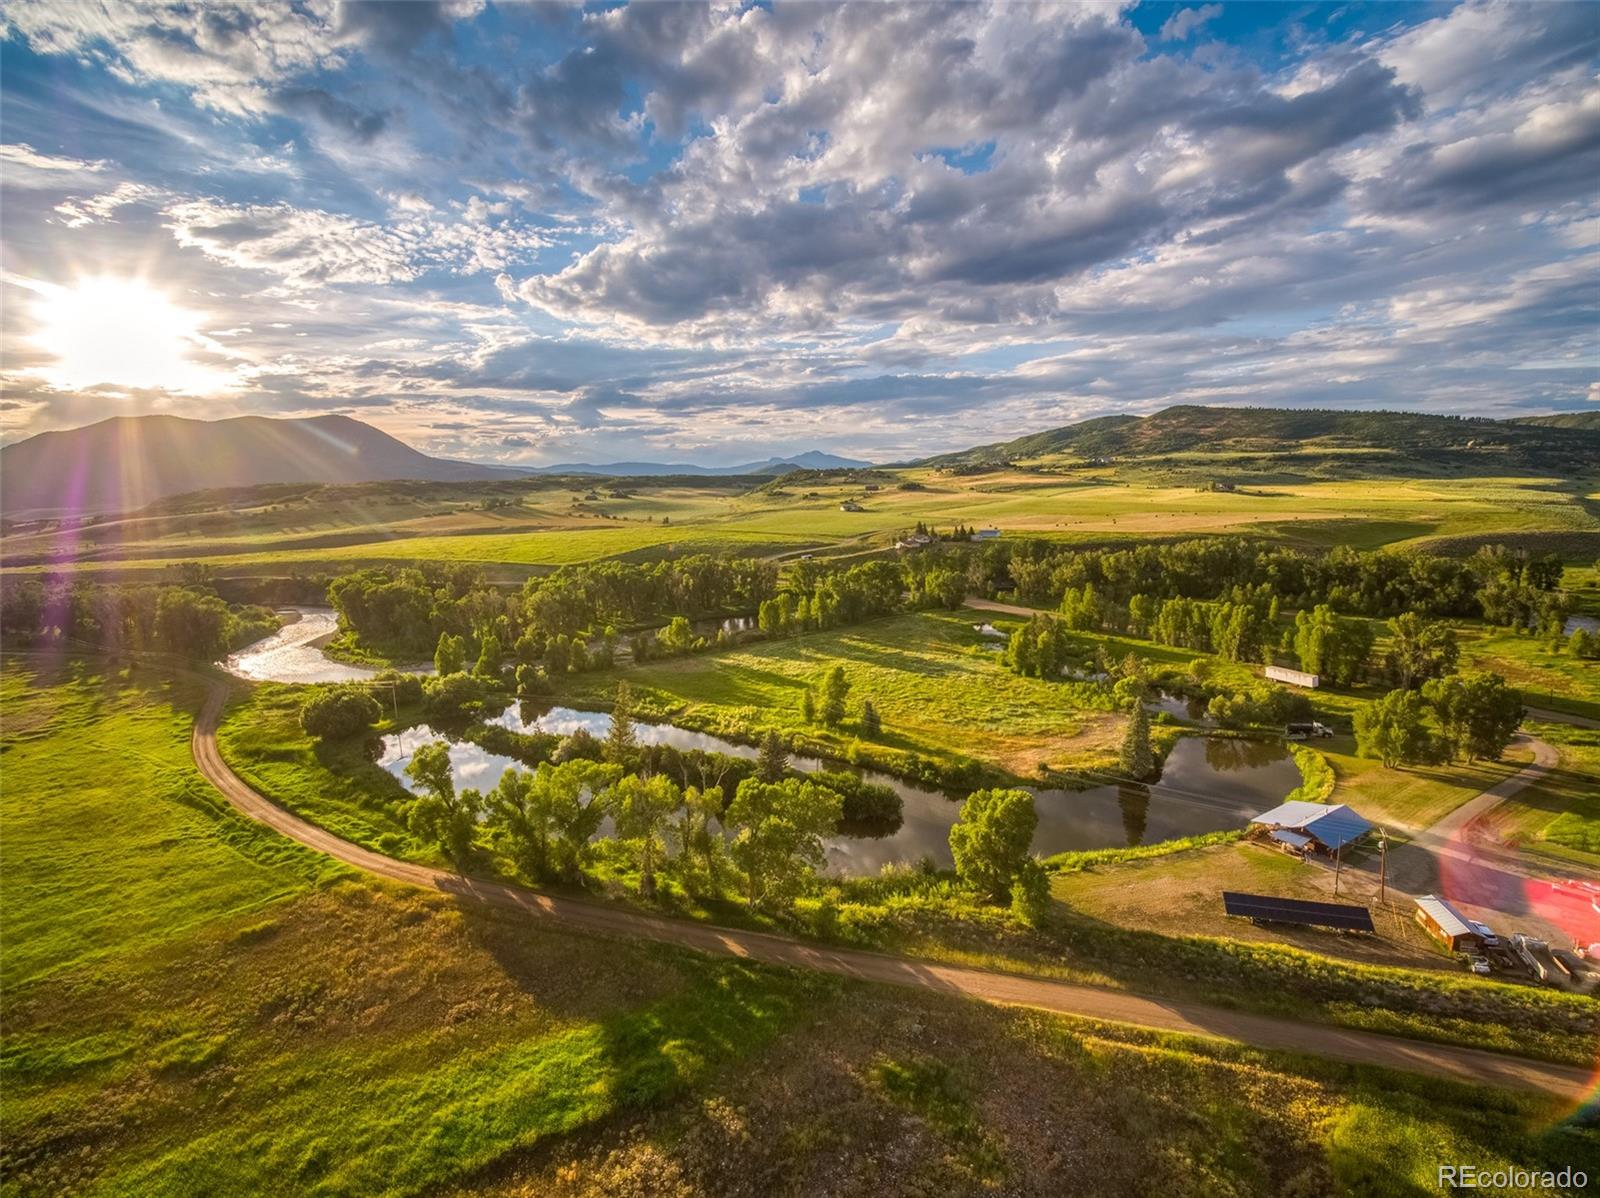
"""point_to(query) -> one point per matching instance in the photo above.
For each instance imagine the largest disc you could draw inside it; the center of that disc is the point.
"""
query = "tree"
(808, 706)
(1420, 649)
(438, 812)
(677, 637)
(773, 761)
(1393, 729)
(1030, 893)
(640, 809)
(488, 657)
(1478, 713)
(450, 657)
(620, 739)
(834, 689)
(778, 834)
(544, 820)
(1137, 760)
(519, 823)
(990, 839)
(338, 713)
(871, 725)
(531, 680)
(1332, 646)
(697, 840)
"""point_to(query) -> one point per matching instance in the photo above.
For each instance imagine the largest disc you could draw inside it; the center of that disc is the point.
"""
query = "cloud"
(1185, 21)
(647, 229)
(309, 247)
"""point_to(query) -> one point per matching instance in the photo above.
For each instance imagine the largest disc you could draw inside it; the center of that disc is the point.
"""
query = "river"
(1206, 785)
(294, 653)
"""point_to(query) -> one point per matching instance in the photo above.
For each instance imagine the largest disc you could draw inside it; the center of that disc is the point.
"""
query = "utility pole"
(1383, 865)
(1338, 868)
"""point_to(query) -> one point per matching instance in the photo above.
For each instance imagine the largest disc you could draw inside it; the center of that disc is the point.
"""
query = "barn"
(1303, 827)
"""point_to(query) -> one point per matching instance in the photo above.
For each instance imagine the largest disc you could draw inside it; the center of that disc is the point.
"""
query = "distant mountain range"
(128, 461)
(1568, 439)
(810, 460)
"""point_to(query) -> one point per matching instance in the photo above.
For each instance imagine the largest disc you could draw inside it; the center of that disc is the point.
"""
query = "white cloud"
(1185, 21)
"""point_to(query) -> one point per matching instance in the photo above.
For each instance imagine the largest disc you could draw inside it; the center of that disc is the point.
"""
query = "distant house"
(986, 534)
(850, 505)
(1293, 677)
(1302, 827)
(874, 487)
(915, 541)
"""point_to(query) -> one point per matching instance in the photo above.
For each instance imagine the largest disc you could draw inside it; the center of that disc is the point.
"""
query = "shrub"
(338, 713)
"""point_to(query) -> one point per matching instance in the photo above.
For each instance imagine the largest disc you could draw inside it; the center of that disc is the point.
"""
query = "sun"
(121, 333)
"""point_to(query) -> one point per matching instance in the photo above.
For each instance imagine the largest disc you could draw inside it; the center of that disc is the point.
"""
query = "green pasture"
(939, 687)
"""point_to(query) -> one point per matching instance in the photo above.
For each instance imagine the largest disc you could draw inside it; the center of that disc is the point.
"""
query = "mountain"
(810, 460)
(1182, 429)
(1589, 420)
(128, 461)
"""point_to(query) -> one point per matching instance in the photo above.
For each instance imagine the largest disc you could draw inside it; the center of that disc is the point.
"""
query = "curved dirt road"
(1260, 1031)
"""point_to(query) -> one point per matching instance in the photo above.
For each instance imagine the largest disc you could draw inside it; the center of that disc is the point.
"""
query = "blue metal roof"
(1330, 825)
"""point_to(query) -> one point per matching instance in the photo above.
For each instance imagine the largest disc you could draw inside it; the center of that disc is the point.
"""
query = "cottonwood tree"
(871, 724)
(640, 809)
(1393, 729)
(489, 657)
(338, 713)
(1420, 649)
(438, 812)
(1336, 647)
(990, 839)
(834, 689)
(778, 831)
(450, 656)
(1478, 713)
(700, 846)
(520, 823)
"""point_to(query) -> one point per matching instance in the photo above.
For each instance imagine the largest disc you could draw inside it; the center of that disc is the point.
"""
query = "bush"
(1030, 893)
(337, 713)
(454, 697)
(864, 802)
(406, 688)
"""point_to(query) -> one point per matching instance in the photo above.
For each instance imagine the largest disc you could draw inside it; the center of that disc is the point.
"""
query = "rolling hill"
(1555, 442)
(810, 460)
(126, 462)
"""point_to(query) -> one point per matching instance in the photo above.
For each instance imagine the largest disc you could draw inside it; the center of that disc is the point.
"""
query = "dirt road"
(1190, 1018)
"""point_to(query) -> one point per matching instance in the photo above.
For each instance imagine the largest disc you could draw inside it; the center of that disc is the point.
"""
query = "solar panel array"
(1271, 909)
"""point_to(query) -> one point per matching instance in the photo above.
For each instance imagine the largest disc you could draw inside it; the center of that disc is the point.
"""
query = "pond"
(1207, 785)
(1587, 623)
(294, 653)
(1179, 707)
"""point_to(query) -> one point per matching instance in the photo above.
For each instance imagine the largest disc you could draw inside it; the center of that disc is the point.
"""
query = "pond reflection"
(1207, 785)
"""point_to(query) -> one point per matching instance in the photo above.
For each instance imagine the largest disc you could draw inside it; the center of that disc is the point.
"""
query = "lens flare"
(121, 333)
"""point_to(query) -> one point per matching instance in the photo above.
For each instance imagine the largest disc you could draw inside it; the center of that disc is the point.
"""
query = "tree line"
(190, 622)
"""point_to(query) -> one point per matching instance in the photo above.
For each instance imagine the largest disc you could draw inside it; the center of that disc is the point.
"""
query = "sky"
(548, 232)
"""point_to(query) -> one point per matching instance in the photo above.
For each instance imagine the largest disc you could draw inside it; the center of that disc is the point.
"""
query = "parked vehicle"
(1486, 935)
(1535, 953)
(1307, 731)
(1480, 965)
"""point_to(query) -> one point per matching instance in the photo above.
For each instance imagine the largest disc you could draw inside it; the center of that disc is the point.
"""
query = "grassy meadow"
(543, 523)
(187, 998)
(938, 685)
